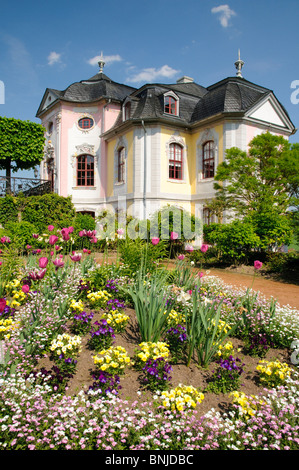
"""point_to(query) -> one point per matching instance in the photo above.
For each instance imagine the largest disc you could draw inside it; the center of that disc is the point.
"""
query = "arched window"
(170, 105)
(208, 160)
(85, 170)
(121, 165)
(175, 161)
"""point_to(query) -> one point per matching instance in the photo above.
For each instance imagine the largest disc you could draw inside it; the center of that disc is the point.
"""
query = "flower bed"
(81, 369)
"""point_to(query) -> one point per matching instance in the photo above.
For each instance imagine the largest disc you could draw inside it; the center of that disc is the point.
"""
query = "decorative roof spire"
(101, 63)
(239, 64)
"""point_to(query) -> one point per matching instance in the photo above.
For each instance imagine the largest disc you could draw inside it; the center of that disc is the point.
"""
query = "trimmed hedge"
(39, 211)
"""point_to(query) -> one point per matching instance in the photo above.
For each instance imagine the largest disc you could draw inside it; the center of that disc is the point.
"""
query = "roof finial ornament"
(239, 64)
(101, 63)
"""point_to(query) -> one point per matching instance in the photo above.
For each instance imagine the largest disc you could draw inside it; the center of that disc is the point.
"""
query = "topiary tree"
(21, 146)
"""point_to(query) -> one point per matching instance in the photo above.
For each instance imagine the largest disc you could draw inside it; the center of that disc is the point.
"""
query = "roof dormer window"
(171, 104)
(127, 111)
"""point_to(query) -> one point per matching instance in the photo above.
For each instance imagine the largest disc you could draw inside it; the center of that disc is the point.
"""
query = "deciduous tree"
(21, 146)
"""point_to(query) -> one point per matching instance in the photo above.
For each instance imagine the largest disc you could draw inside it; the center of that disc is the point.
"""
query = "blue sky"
(53, 44)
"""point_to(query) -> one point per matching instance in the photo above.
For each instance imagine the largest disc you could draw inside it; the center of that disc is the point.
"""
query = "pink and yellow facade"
(110, 146)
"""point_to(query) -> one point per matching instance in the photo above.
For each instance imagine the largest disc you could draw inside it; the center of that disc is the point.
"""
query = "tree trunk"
(8, 176)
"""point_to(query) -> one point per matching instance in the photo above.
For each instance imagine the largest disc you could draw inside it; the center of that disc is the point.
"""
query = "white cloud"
(108, 59)
(225, 14)
(151, 74)
(53, 58)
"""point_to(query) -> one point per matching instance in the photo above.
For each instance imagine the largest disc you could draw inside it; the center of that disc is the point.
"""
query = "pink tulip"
(35, 235)
(173, 236)
(181, 257)
(76, 257)
(90, 233)
(70, 229)
(189, 248)
(50, 228)
(53, 239)
(0, 263)
(58, 263)
(204, 247)
(5, 240)
(155, 240)
(257, 264)
(200, 274)
(37, 275)
(42, 262)
(38, 251)
(82, 233)
(65, 234)
(93, 240)
(85, 250)
(25, 288)
(28, 247)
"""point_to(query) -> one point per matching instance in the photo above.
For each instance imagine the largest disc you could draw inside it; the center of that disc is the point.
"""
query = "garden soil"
(242, 276)
(132, 388)
(131, 382)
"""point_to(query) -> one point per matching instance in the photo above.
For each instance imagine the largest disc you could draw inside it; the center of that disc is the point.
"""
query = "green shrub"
(82, 222)
(8, 210)
(20, 234)
(48, 209)
(233, 241)
(173, 219)
(283, 263)
(274, 230)
(135, 253)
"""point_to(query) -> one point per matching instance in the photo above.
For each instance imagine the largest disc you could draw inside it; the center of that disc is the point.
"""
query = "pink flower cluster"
(91, 234)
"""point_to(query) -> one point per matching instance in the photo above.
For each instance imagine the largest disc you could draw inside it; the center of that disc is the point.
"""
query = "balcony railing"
(27, 186)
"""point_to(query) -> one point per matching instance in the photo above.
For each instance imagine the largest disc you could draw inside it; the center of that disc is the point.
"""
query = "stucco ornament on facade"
(83, 149)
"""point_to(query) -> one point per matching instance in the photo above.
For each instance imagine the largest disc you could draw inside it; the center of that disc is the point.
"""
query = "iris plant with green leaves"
(205, 329)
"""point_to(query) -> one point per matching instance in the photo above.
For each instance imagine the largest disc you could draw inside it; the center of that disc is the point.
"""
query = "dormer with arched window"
(171, 104)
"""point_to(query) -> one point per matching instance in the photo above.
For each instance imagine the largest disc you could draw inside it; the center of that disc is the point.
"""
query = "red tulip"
(2, 305)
